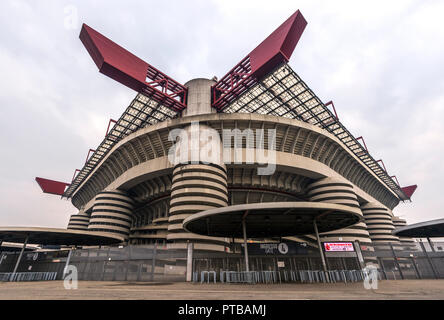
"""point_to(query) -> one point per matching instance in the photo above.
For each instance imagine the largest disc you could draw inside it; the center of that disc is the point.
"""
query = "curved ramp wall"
(196, 187)
(379, 223)
(397, 223)
(112, 213)
(334, 190)
(79, 221)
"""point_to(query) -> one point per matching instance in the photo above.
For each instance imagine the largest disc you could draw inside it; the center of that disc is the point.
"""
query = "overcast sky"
(381, 62)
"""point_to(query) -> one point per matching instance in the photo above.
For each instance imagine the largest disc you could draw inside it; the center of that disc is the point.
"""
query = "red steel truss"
(124, 67)
(261, 83)
(142, 111)
(273, 51)
(409, 190)
(51, 186)
(283, 93)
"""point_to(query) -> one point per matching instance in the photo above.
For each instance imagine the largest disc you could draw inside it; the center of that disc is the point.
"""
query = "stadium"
(204, 170)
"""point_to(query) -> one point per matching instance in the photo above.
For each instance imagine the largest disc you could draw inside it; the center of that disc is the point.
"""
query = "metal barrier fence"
(126, 263)
(130, 263)
(418, 260)
(301, 276)
(28, 276)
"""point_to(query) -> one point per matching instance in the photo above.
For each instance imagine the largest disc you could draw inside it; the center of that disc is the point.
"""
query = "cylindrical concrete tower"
(150, 225)
(199, 177)
(79, 221)
(112, 213)
(335, 190)
(199, 97)
(397, 223)
(379, 223)
(196, 187)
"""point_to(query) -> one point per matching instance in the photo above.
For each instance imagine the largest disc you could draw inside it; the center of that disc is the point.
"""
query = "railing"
(269, 277)
(28, 276)
(208, 273)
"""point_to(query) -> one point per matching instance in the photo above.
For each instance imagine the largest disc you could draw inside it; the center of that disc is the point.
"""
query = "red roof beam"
(409, 190)
(131, 71)
(276, 49)
(51, 186)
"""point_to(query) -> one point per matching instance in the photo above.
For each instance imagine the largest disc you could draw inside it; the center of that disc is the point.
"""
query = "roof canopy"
(426, 229)
(272, 219)
(53, 236)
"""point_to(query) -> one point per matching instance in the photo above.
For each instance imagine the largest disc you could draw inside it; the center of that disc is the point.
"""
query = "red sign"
(338, 246)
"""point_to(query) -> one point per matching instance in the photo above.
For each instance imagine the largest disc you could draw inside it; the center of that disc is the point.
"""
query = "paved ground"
(54, 290)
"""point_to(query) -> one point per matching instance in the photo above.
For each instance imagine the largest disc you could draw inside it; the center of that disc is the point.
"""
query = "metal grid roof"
(142, 111)
(283, 93)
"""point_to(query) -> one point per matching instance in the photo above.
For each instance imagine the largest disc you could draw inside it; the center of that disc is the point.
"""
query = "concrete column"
(321, 251)
(199, 97)
(359, 254)
(190, 262)
(20, 257)
(244, 231)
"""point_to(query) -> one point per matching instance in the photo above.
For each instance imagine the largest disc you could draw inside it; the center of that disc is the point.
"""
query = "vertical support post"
(244, 230)
(153, 265)
(321, 251)
(381, 264)
(234, 246)
(128, 262)
(190, 247)
(139, 269)
(19, 258)
(431, 244)
(359, 253)
(435, 274)
(396, 261)
(68, 259)
(418, 275)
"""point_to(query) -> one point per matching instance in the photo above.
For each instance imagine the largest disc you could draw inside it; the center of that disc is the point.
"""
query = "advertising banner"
(338, 246)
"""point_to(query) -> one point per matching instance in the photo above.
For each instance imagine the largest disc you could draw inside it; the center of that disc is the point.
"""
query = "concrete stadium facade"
(137, 192)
